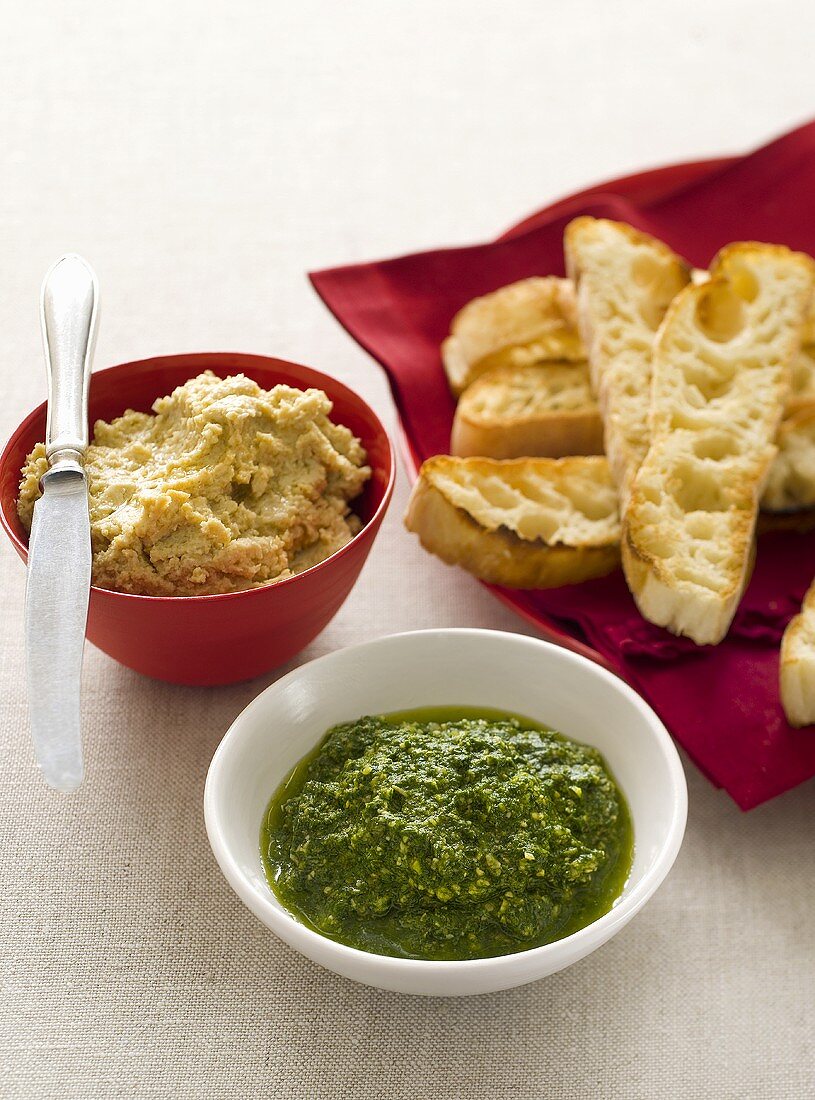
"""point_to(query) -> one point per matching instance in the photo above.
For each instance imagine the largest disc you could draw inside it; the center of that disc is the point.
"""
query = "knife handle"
(69, 307)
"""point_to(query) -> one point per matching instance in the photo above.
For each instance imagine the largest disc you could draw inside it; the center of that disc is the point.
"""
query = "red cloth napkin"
(721, 703)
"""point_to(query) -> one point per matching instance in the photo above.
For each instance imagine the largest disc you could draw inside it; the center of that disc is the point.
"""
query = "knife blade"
(59, 553)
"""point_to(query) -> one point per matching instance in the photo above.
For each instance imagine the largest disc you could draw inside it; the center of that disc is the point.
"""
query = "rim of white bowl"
(599, 930)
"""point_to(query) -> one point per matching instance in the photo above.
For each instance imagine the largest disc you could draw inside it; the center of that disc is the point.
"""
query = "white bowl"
(474, 668)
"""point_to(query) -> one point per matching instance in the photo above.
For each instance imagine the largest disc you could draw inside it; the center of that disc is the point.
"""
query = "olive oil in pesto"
(447, 833)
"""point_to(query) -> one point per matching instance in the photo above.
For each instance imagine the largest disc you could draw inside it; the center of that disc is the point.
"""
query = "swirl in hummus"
(225, 487)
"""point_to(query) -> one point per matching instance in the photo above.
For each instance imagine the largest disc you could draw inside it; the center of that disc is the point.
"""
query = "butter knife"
(59, 548)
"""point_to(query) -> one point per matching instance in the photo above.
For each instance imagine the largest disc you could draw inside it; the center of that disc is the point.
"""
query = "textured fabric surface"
(203, 157)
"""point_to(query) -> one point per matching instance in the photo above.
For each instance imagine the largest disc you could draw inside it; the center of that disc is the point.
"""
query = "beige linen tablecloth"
(203, 156)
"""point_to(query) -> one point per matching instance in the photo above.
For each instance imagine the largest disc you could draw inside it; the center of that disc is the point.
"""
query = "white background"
(204, 156)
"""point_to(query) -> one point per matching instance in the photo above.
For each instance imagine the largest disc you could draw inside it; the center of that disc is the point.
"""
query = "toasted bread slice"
(720, 381)
(688, 537)
(625, 282)
(801, 522)
(802, 380)
(548, 409)
(791, 482)
(803, 365)
(522, 523)
(541, 409)
(451, 492)
(526, 322)
(797, 665)
(808, 334)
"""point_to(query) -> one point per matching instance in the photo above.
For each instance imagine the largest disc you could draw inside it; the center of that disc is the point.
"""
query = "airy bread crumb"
(521, 523)
(525, 322)
(720, 381)
(539, 409)
(797, 665)
(625, 281)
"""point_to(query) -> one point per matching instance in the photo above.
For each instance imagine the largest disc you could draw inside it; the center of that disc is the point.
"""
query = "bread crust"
(544, 409)
(530, 321)
(799, 523)
(578, 432)
(499, 557)
(791, 481)
(489, 549)
(802, 381)
(797, 665)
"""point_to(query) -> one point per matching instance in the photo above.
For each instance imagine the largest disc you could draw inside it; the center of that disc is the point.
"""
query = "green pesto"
(449, 833)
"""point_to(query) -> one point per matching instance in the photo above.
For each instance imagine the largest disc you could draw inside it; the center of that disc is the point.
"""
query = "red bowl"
(238, 635)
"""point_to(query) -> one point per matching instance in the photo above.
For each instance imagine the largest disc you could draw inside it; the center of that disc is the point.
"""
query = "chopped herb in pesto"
(447, 834)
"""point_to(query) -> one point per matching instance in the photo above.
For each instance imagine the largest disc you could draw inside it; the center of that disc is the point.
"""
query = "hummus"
(227, 487)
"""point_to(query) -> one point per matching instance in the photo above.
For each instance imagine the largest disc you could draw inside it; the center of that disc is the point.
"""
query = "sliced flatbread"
(792, 478)
(541, 409)
(548, 409)
(797, 665)
(625, 281)
(521, 523)
(721, 369)
(468, 512)
(802, 380)
(791, 481)
(525, 322)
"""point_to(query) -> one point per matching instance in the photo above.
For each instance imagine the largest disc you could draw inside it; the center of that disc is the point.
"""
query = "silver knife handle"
(69, 306)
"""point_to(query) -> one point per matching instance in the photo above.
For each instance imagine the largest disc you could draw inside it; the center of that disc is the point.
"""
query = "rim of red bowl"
(22, 544)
